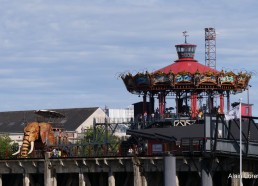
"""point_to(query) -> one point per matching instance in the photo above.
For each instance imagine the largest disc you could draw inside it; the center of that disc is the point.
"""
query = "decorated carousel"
(192, 85)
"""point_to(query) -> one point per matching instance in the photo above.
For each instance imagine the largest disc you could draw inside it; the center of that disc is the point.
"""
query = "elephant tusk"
(19, 150)
(31, 147)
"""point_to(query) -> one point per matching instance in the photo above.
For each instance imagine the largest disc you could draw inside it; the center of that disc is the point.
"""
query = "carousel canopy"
(186, 73)
(190, 66)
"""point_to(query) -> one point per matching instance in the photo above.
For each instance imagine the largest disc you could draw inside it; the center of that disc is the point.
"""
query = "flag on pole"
(234, 113)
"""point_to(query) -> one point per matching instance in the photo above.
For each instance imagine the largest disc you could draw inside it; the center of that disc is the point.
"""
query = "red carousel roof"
(186, 65)
(186, 61)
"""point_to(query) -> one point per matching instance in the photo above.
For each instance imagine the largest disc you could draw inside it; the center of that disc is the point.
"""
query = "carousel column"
(162, 103)
(210, 102)
(152, 102)
(221, 103)
(228, 102)
(193, 104)
(144, 104)
(177, 105)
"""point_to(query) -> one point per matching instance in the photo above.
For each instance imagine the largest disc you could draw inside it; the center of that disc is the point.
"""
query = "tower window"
(247, 110)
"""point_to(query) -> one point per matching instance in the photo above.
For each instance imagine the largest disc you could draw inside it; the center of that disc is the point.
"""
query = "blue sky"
(67, 54)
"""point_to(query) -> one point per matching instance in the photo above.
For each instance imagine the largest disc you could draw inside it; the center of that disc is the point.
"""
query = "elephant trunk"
(25, 150)
(25, 146)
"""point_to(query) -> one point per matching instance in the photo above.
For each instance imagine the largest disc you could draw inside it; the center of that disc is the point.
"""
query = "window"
(247, 110)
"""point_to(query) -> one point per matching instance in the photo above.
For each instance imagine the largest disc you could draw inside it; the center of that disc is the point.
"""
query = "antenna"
(210, 47)
(185, 35)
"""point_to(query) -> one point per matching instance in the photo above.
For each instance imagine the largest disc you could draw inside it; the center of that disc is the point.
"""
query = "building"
(121, 115)
(75, 121)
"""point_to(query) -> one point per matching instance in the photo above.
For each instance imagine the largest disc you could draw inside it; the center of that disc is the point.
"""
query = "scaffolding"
(210, 47)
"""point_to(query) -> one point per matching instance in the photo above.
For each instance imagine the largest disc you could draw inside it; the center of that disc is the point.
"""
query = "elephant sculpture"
(36, 131)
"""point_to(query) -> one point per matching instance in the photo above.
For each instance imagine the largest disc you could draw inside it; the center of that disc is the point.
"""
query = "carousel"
(192, 85)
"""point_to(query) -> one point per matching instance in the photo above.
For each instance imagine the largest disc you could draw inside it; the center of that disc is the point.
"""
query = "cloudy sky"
(67, 54)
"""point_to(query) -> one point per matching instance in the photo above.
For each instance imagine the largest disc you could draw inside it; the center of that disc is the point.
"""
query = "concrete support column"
(81, 179)
(87, 180)
(206, 174)
(49, 172)
(136, 173)
(26, 179)
(170, 171)
(54, 179)
(111, 179)
(177, 180)
(1, 181)
(144, 180)
(235, 182)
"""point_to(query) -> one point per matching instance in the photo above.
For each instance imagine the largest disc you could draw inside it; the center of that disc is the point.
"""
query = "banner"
(234, 113)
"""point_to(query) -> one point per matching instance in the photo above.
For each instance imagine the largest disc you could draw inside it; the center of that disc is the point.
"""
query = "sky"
(69, 54)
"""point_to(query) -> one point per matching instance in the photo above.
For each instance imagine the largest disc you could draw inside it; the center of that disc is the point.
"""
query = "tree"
(99, 142)
(7, 147)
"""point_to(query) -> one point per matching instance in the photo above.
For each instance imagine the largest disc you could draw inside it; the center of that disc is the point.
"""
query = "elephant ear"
(46, 133)
(32, 129)
(44, 130)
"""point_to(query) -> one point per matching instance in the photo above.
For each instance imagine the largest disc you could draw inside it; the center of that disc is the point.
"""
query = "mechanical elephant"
(36, 131)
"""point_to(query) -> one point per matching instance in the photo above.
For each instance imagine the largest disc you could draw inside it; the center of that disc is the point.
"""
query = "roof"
(186, 61)
(14, 121)
(186, 65)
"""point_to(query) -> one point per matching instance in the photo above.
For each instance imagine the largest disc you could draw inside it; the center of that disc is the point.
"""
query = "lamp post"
(249, 86)
(240, 141)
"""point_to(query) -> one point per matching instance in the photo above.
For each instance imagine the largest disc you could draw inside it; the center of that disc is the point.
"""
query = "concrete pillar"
(206, 173)
(136, 175)
(111, 179)
(54, 179)
(1, 181)
(81, 179)
(49, 172)
(170, 171)
(177, 180)
(235, 182)
(26, 179)
(87, 180)
(144, 181)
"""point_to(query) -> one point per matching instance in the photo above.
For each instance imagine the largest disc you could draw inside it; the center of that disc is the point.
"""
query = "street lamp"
(248, 93)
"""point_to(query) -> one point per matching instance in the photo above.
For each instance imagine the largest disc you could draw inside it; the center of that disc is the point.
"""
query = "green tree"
(7, 147)
(99, 142)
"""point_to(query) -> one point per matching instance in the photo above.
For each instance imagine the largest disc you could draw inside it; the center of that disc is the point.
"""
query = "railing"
(185, 147)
